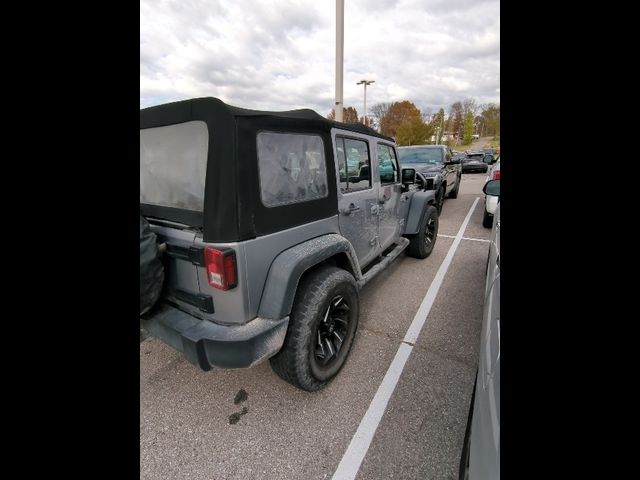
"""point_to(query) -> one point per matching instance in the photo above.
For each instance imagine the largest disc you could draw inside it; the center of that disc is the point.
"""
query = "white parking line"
(350, 463)
(464, 238)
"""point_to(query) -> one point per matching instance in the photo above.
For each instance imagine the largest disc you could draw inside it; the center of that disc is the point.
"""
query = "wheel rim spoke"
(326, 315)
(332, 331)
(331, 349)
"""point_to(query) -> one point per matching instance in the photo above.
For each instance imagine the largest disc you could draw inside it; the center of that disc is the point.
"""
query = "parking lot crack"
(379, 333)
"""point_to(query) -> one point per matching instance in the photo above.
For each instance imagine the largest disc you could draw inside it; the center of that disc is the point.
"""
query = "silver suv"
(480, 458)
(269, 224)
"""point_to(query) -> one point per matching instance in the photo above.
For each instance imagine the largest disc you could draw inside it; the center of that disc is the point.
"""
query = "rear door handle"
(351, 209)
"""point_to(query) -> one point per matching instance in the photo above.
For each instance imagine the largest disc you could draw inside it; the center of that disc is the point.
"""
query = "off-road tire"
(419, 247)
(295, 362)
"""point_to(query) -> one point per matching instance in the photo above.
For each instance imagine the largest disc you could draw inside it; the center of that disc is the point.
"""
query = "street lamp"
(365, 82)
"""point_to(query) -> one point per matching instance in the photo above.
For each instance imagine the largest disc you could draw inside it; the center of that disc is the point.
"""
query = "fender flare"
(417, 207)
(289, 266)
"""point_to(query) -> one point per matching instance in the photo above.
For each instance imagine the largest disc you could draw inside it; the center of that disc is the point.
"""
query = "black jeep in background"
(438, 165)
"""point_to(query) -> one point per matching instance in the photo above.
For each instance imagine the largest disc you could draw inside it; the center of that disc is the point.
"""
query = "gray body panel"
(390, 220)
(359, 223)
(389, 225)
(254, 258)
(484, 442)
(358, 216)
(288, 267)
(417, 204)
(377, 223)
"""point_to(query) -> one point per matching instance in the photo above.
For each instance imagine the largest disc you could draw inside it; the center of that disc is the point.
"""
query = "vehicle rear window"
(173, 165)
(292, 168)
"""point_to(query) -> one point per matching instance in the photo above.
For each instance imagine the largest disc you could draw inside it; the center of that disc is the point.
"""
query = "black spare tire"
(151, 267)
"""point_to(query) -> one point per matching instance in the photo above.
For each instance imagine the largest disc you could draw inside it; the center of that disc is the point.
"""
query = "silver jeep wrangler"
(266, 225)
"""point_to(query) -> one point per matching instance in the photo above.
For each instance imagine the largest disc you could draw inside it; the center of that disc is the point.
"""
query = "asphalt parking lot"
(245, 424)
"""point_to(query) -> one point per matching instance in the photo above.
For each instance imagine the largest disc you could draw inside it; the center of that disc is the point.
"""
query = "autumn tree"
(377, 112)
(349, 115)
(456, 114)
(478, 124)
(369, 123)
(467, 135)
(396, 114)
(439, 124)
(491, 119)
(413, 131)
(469, 105)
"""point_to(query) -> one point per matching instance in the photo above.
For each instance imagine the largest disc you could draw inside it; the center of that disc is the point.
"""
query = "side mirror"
(453, 161)
(408, 176)
(492, 188)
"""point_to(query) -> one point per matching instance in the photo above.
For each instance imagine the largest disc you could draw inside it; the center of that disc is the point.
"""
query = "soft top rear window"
(173, 165)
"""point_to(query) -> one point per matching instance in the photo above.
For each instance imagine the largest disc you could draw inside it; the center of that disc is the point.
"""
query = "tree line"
(409, 126)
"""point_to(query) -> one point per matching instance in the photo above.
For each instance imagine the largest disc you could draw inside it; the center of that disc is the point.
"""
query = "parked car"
(491, 201)
(436, 163)
(271, 223)
(473, 162)
(480, 458)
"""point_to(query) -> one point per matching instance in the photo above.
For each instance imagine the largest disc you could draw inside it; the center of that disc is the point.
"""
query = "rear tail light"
(496, 175)
(222, 272)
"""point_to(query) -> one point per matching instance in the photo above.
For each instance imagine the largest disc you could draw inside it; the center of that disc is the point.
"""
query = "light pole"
(365, 82)
(339, 57)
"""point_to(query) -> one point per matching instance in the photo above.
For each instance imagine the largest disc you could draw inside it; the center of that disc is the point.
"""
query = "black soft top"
(167, 114)
(232, 207)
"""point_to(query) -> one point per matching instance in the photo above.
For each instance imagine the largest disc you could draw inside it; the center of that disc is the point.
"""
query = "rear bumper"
(207, 344)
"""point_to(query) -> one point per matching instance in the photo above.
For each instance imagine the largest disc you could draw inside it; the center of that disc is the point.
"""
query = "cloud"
(280, 55)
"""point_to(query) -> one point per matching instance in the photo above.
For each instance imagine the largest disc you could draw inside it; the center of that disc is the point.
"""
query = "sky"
(281, 54)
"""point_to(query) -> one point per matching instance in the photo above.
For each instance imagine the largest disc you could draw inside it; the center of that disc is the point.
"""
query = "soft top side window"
(354, 164)
(292, 168)
(387, 164)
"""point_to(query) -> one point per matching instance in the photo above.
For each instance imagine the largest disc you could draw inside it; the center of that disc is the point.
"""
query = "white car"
(491, 201)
